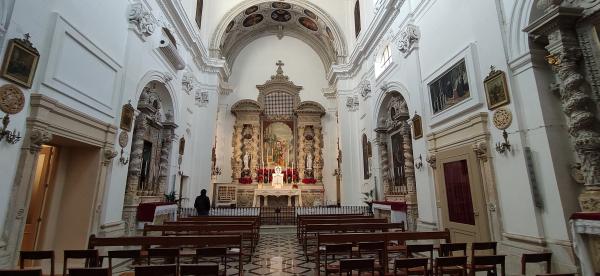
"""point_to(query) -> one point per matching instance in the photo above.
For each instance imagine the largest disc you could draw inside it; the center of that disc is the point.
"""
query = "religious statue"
(246, 160)
(277, 178)
(309, 161)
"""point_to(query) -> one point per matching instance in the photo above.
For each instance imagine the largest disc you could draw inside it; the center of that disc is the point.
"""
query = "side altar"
(277, 130)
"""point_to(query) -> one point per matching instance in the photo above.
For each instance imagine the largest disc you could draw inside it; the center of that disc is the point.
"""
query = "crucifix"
(279, 70)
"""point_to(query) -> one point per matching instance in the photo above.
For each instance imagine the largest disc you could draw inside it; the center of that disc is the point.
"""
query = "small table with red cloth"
(584, 224)
(397, 210)
(155, 213)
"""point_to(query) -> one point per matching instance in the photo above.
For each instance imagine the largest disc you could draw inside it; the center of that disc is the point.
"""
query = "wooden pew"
(223, 219)
(301, 228)
(323, 239)
(315, 229)
(174, 242)
(181, 229)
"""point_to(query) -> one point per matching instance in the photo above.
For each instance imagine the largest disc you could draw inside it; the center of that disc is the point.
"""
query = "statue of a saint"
(246, 160)
(309, 161)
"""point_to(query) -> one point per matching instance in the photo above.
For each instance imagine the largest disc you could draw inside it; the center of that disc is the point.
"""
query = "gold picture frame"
(20, 62)
(417, 127)
(127, 114)
(496, 89)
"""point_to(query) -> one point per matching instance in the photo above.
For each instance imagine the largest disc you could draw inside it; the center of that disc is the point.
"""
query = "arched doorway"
(396, 155)
(151, 146)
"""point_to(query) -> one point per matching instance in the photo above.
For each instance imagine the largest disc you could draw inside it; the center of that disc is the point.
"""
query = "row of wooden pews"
(174, 248)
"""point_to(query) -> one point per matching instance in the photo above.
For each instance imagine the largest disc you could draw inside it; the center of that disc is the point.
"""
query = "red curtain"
(458, 192)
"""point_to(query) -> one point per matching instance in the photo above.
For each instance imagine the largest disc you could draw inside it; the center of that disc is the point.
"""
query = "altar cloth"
(265, 192)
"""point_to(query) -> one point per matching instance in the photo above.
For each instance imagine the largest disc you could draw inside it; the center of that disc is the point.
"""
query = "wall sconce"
(122, 159)
(504, 146)
(216, 171)
(12, 137)
(419, 162)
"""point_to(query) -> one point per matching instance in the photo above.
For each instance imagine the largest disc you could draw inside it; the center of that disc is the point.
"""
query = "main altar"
(277, 131)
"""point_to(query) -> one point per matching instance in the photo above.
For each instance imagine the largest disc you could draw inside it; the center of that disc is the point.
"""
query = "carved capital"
(431, 160)
(481, 150)
(408, 38)
(37, 138)
(143, 20)
(109, 155)
(352, 103)
(365, 89)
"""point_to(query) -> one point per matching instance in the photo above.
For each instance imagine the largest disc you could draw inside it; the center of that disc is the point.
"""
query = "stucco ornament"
(408, 38)
(12, 99)
(142, 19)
(188, 82)
(123, 139)
(502, 118)
(39, 137)
(365, 90)
(352, 103)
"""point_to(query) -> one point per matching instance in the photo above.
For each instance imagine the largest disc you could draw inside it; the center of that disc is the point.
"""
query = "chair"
(156, 270)
(476, 249)
(90, 256)
(199, 270)
(134, 255)
(451, 265)
(93, 271)
(489, 263)
(448, 249)
(373, 248)
(426, 249)
(536, 258)
(361, 265)
(412, 266)
(37, 255)
(343, 249)
(169, 255)
(21, 272)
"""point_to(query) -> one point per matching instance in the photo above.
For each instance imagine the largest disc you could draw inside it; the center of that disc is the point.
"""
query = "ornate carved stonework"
(12, 99)
(352, 103)
(142, 19)
(202, 98)
(188, 82)
(330, 92)
(365, 89)
(409, 38)
(431, 160)
(109, 155)
(502, 118)
(38, 137)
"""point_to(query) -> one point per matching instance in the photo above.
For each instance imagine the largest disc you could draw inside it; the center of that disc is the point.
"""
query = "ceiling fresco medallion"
(281, 5)
(230, 26)
(251, 10)
(12, 99)
(310, 14)
(308, 23)
(281, 15)
(502, 118)
(253, 20)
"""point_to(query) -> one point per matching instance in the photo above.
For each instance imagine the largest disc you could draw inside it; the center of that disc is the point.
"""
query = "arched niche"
(151, 146)
(396, 154)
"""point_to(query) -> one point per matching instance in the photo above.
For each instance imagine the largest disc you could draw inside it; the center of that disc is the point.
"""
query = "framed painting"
(127, 114)
(496, 89)
(20, 62)
(417, 127)
(450, 88)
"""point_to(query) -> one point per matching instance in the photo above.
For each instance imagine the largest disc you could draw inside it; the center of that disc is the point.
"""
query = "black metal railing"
(280, 215)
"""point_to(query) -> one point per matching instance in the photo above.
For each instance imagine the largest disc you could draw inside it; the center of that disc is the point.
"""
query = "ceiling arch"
(301, 19)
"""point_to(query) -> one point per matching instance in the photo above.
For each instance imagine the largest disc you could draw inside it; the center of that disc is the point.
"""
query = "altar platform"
(249, 195)
(288, 191)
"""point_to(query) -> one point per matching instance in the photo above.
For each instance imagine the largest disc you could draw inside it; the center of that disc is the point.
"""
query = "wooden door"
(39, 193)
(461, 196)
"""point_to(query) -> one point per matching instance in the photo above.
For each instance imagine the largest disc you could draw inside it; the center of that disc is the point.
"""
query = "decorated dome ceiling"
(288, 18)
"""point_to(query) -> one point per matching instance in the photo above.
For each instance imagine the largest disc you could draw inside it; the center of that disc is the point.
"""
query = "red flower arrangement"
(309, 181)
(295, 186)
(245, 180)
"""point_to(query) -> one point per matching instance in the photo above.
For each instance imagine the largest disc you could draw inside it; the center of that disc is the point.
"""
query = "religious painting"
(230, 26)
(127, 113)
(329, 33)
(253, 20)
(251, 10)
(310, 14)
(417, 127)
(281, 15)
(281, 5)
(496, 89)
(450, 89)
(308, 23)
(20, 62)
(278, 145)
(397, 159)
(365, 150)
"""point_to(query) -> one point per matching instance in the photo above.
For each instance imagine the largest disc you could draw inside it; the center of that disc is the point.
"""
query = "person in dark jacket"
(202, 204)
